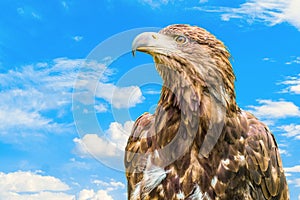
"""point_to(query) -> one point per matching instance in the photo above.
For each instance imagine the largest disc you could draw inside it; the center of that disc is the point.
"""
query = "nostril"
(154, 37)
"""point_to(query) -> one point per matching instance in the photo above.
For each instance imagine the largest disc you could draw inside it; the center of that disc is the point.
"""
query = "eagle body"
(199, 145)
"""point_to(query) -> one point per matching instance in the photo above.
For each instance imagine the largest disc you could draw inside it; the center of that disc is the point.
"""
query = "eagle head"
(195, 55)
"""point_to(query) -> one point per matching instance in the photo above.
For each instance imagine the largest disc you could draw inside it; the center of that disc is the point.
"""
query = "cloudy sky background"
(70, 89)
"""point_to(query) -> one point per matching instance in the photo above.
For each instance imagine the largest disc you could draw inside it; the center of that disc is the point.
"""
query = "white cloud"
(37, 196)
(100, 108)
(203, 1)
(92, 195)
(117, 184)
(30, 185)
(155, 3)
(295, 89)
(105, 188)
(152, 92)
(291, 130)
(282, 149)
(88, 87)
(292, 169)
(30, 182)
(111, 146)
(268, 59)
(34, 98)
(30, 92)
(293, 85)
(76, 164)
(295, 182)
(118, 133)
(92, 144)
(294, 61)
(269, 109)
(18, 118)
(271, 12)
(111, 185)
(120, 97)
(77, 38)
(283, 152)
(287, 174)
(101, 183)
(158, 3)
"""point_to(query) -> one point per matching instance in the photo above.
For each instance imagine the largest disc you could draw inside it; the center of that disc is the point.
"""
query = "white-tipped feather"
(156, 154)
(135, 195)
(198, 195)
(214, 181)
(206, 196)
(152, 178)
(180, 195)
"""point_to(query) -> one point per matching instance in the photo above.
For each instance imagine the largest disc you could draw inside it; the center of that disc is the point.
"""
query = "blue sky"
(70, 89)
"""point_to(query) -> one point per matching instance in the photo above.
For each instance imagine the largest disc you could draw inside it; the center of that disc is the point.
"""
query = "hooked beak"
(151, 43)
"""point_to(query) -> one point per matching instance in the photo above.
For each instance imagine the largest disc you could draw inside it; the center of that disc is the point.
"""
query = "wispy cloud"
(77, 38)
(292, 173)
(88, 88)
(111, 185)
(31, 185)
(294, 61)
(283, 149)
(154, 92)
(293, 169)
(295, 182)
(203, 1)
(65, 5)
(35, 15)
(28, 12)
(291, 130)
(30, 93)
(20, 11)
(269, 109)
(293, 84)
(157, 3)
(34, 98)
(271, 12)
(283, 152)
(100, 108)
(267, 59)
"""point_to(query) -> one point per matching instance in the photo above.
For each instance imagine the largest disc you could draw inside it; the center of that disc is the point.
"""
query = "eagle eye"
(180, 39)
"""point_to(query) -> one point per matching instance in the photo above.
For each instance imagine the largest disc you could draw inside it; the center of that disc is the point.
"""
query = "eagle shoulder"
(263, 162)
(139, 140)
(139, 143)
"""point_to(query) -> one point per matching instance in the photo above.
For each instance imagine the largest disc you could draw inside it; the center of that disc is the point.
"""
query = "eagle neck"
(201, 114)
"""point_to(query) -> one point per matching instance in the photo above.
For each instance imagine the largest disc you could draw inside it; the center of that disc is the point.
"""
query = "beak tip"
(133, 52)
(143, 40)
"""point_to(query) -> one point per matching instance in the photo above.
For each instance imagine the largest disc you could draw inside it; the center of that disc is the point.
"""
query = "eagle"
(198, 144)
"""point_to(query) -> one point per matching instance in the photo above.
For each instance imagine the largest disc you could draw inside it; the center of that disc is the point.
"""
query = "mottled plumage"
(199, 144)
